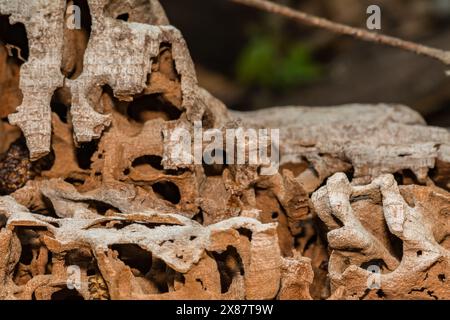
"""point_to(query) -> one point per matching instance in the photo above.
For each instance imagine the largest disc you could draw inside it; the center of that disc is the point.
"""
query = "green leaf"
(257, 61)
(262, 63)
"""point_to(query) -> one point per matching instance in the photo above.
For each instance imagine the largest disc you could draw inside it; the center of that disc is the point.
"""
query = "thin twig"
(311, 20)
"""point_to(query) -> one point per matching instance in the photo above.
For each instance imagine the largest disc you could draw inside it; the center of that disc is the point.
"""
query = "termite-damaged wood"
(107, 207)
(398, 249)
(363, 140)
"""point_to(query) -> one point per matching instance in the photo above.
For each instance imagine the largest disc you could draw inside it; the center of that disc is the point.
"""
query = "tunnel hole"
(101, 207)
(199, 216)
(3, 220)
(398, 178)
(162, 98)
(362, 197)
(49, 267)
(85, 152)
(310, 242)
(153, 161)
(77, 32)
(215, 169)
(81, 257)
(403, 155)
(201, 283)
(165, 64)
(121, 11)
(150, 107)
(135, 9)
(26, 256)
(134, 256)
(175, 172)
(14, 37)
(163, 276)
(440, 174)
(123, 17)
(396, 245)
(374, 262)
(48, 209)
(91, 272)
(156, 163)
(175, 276)
(44, 164)
(406, 177)
(246, 233)
(230, 265)
(111, 224)
(207, 119)
(31, 248)
(409, 177)
(167, 191)
(380, 293)
(74, 181)
(337, 221)
(120, 224)
(108, 101)
(306, 236)
(66, 294)
(60, 109)
(350, 174)
(14, 51)
(144, 265)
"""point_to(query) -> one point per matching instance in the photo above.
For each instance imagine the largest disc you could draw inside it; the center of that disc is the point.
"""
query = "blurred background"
(251, 59)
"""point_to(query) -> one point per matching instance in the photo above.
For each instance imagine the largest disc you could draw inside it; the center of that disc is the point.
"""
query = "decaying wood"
(365, 141)
(402, 231)
(106, 199)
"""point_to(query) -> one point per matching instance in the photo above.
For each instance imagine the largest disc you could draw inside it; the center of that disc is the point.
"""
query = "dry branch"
(358, 33)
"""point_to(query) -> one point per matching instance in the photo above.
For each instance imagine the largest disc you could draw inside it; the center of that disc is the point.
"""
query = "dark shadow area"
(167, 191)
